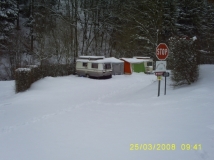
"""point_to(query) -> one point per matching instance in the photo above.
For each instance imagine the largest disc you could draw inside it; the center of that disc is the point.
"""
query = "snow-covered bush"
(55, 70)
(23, 79)
(183, 61)
(35, 73)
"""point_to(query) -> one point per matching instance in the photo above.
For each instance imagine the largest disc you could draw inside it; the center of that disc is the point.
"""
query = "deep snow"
(76, 118)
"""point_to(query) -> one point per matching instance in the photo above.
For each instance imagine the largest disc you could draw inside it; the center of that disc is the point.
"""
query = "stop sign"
(162, 51)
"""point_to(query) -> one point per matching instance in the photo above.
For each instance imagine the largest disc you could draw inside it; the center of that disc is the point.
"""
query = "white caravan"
(93, 68)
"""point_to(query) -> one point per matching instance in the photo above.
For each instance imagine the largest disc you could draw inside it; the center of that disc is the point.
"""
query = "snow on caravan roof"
(102, 61)
(91, 57)
(107, 60)
(114, 60)
(134, 60)
(82, 60)
(138, 57)
(110, 60)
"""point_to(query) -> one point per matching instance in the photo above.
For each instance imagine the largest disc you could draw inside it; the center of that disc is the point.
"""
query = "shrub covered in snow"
(55, 70)
(183, 61)
(35, 73)
(23, 79)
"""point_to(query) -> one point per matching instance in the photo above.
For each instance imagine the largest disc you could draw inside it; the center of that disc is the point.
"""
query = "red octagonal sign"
(162, 51)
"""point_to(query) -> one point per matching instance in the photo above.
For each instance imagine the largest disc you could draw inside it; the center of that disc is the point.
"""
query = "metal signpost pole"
(159, 88)
(165, 85)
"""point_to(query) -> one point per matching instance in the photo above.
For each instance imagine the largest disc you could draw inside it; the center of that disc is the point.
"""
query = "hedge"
(24, 77)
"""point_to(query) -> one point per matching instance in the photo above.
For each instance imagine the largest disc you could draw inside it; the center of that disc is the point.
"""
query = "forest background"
(44, 32)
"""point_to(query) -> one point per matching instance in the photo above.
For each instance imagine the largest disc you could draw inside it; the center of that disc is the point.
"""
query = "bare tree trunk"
(70, 14)
(58, 4)
(31, 28)
(160, 22)
(101, 43)
(106, 43)
(17, 22)
(76, 31)
(85, 27)
(88, 42)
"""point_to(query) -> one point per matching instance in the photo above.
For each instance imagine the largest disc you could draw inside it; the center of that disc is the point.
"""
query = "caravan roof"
(110, 60)
(134, 60)
(114, 60)
(82, 60)
(102, 60)
(138, 57)
(91, 57)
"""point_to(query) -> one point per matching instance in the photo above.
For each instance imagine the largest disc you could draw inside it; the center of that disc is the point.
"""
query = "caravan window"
(84, 64)
(107, 66)
(94, 65)
(149, 63)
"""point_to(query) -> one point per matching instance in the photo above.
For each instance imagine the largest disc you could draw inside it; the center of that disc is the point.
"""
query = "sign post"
(165, 86)
(159, 74)
(162, 52)
(159, 88)
(165, 74)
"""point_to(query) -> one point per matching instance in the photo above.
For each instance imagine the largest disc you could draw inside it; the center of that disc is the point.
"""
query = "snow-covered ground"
(76, 118)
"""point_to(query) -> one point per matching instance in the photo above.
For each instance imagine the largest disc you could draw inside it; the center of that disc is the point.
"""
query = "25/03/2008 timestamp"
(164, 147)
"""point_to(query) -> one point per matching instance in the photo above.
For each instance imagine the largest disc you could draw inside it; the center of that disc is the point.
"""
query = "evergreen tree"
(208, 30)
(190, 18)
(8, 15)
